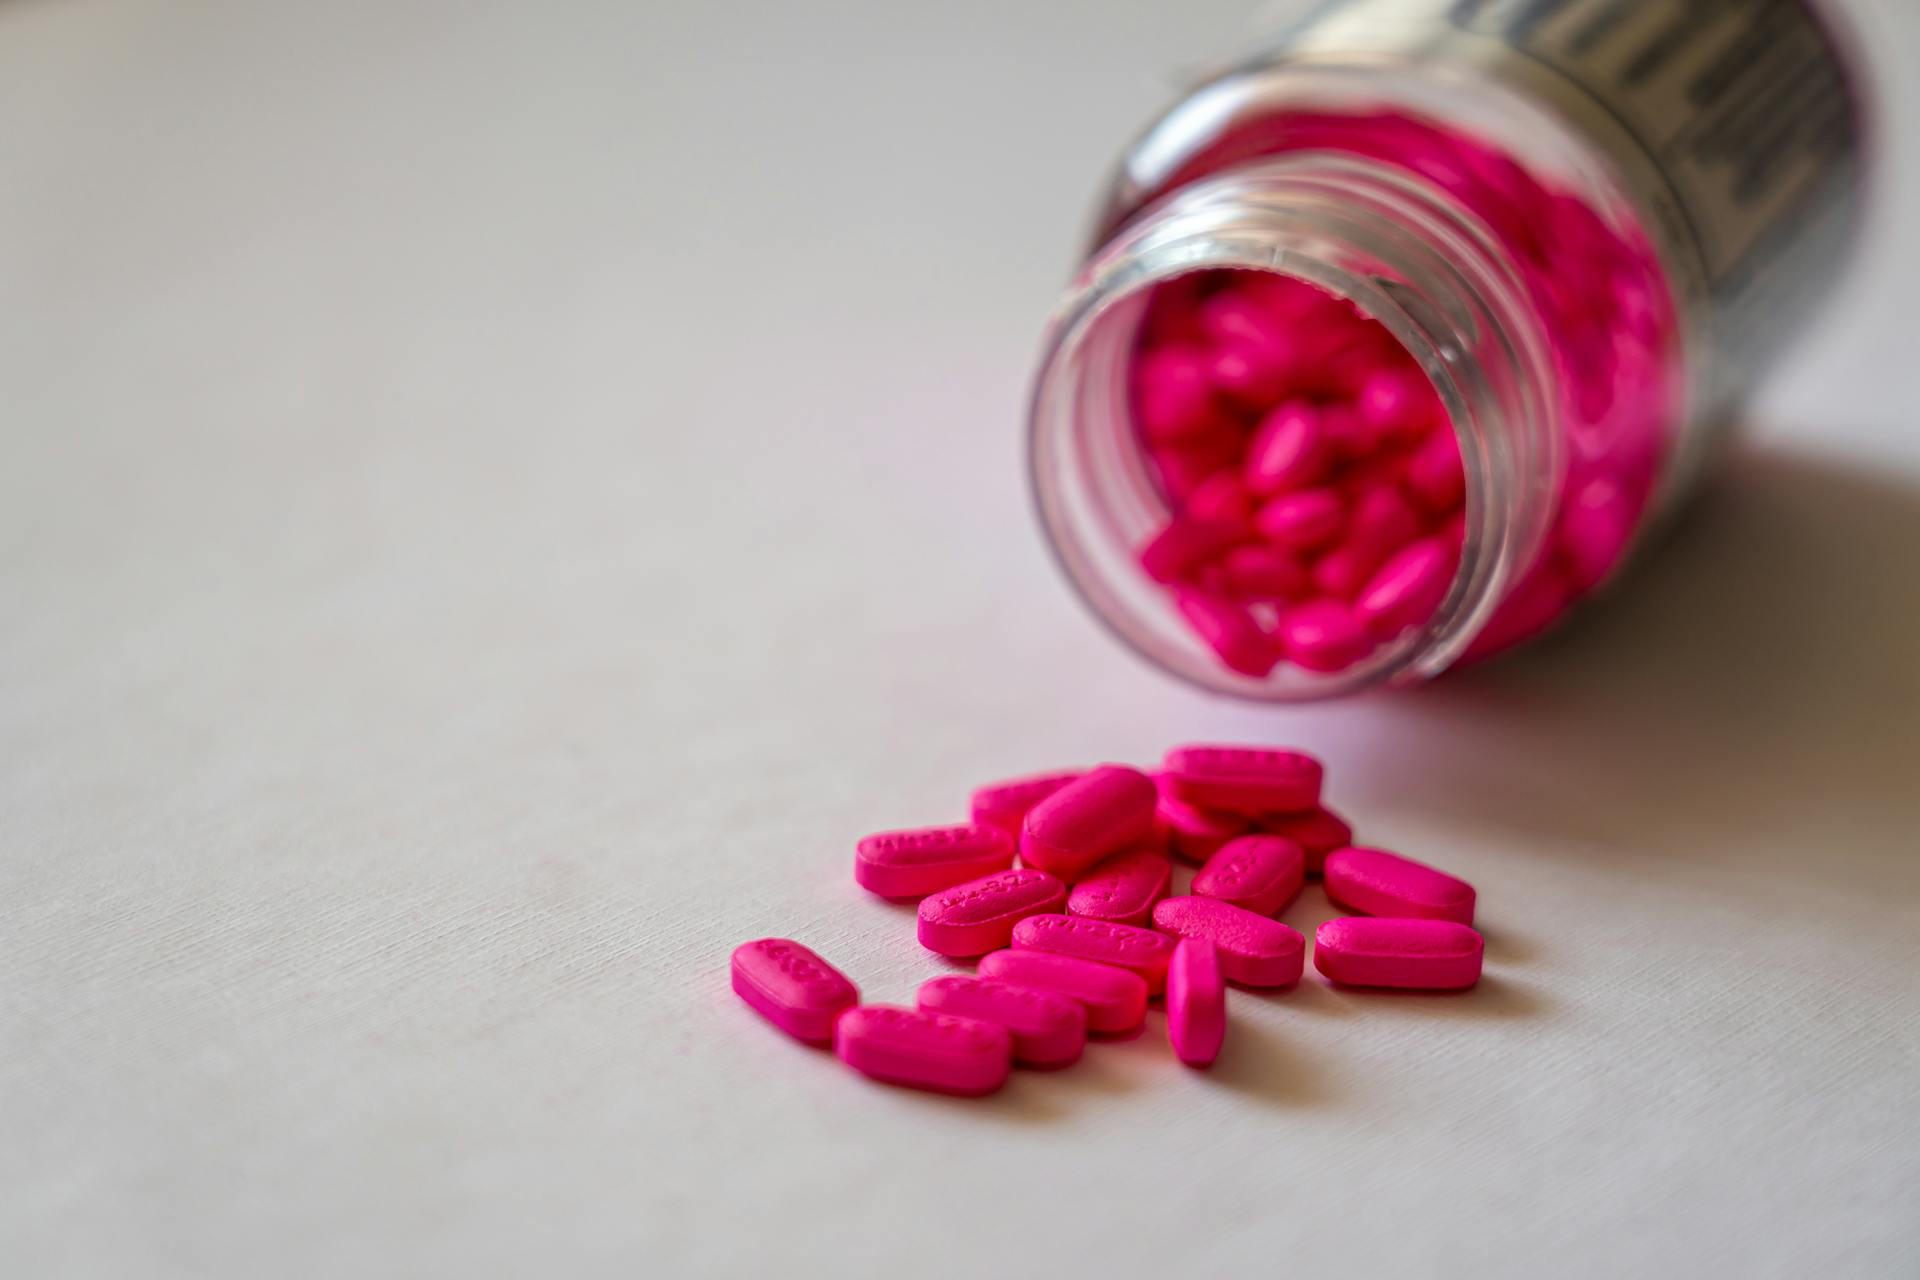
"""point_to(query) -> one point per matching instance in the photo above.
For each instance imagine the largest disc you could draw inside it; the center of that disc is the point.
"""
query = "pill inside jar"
(1377, 368)
(1311, 474)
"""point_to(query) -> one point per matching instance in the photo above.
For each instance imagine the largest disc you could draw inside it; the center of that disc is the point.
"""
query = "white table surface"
(494, 499)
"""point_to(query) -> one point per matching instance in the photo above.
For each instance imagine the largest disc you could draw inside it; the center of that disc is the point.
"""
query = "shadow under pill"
(1100, 1071)
(1504, 947)
(1013, 1103)
(1490, 998)
(1320, 999)
(1262, 1066)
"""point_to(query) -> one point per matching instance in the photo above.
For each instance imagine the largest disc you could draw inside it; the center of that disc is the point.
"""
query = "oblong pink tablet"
(1115, 1000)
(935, 1051)
(1122, 888)
(1194, 833)
(974, 918)
(1375, 882)
(1420, 955)
(1230, 629)
(1250, 780)
(1099, 813)
(914, 863)
(1255, 950)
(1318, 832)
(1408, 587)
(1196, 1002)
(1005, 804)
(1261, 873)
(1141, 951)
(792, 988)
(1048, 1029)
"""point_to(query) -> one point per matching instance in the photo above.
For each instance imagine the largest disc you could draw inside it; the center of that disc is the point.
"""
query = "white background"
(495, 498)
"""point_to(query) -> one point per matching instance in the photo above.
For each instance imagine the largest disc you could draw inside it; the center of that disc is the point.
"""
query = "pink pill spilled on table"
(1115, 1000)
(912, 864)
(1196, 1002)
(1141, 951)
(1417, 955)
(1245, 780)
(792, 988)
(1375, 882)
(1261, 873)
(1255, 950)
(932, 1051)
(1048, 1029)
(974, 918)
(1006, 804)
(1102, 812)
(1318, 832)
(1193, 832)
(1122, 888)
(1058, 965)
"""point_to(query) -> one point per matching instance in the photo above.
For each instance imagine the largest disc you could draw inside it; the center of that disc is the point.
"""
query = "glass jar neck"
(1404, 254)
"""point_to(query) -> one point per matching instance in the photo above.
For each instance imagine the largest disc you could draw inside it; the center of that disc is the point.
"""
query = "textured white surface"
(494, 498)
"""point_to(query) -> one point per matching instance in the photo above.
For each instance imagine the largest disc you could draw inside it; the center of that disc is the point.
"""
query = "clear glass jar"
(1590, 224)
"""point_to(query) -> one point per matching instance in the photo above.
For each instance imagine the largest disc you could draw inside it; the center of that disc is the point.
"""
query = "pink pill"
(1184, 544)
(974, 918)
(1323, 635)
(1251, 374)
(1435, 475)
(1249, 780)
(1255, 572)
(933, 1051)
(1115, 1000)
(1141, 951)
(1341, 374)
(1408, 587)
(1048, 1029)
(1287, 451)
(1221, 499)
(1261, 873)
(1255, 950)
(792, 988)
(1382, 522)
(1348, 434)
(1005, 804)
(1174, 392)
(1399, 403)
(1184, 467)
(1593, 531)
(1421, 955)
(1230, 630)
(1100, 813)
(1342, 573)
(1303, 521)
(1375, 882)
(1318, 833)
(1122, 888)
(1233, 315)
(1193, 832)
(1196, 1002)
(912, 864)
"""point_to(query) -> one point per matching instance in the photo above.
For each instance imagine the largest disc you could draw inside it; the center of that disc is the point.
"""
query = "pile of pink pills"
(1060, 888)
(1313, 481)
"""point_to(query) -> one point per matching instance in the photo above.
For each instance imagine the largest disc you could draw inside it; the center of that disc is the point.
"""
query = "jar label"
(1734, 122)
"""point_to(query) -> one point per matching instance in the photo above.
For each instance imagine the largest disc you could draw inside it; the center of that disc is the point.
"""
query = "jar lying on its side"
(1398, 338)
